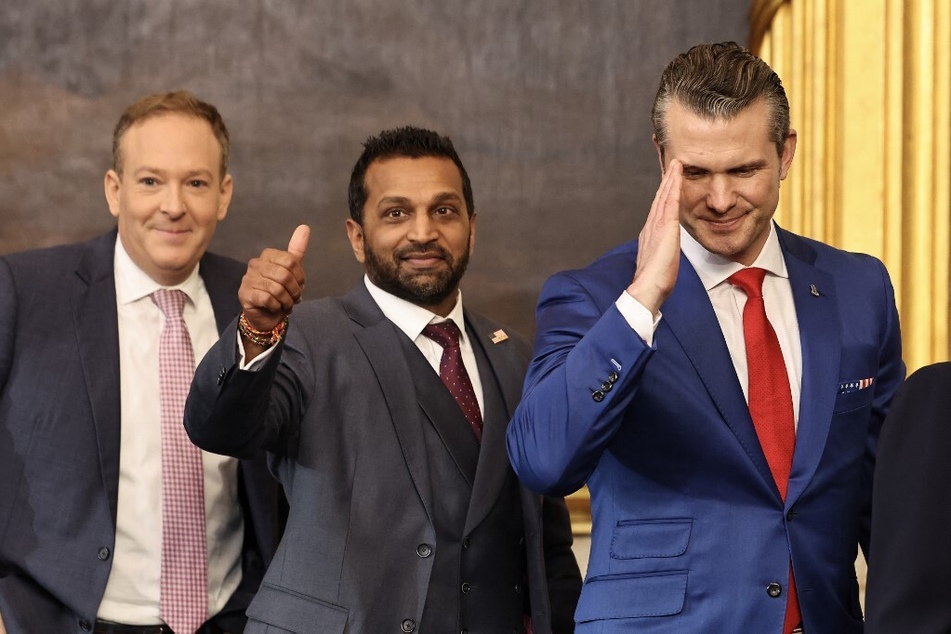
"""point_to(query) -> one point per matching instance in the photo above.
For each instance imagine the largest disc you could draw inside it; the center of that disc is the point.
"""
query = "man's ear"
(356, 237)
(789, 151)
(660, 153)
(112, 184)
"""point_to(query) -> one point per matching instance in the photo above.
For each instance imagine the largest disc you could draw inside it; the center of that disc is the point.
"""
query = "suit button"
(774, 590)
(465, 543)
(518, 589)
(598, 396)
(408, 625)
(606, 386)
(103, 553)
(790, 514)
(613, 377)
(466, 588)
(85, 625)
(424, 550)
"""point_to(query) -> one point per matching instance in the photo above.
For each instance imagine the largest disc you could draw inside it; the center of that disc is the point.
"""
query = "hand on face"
(658, 251)
(274, 282)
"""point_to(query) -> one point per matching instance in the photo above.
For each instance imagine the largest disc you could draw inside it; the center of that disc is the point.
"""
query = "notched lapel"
(95, 317)
(501, 373)
(689, 316)
(820, 339)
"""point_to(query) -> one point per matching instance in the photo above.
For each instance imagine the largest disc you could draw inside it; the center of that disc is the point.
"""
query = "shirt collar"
(132, 283)
(409, 317)
(714, 269)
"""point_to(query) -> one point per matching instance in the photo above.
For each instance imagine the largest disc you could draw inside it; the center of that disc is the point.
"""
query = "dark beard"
(422, 289)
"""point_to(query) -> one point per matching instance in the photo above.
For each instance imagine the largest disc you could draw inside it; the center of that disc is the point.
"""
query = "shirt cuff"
(638, 317)
(256, 362)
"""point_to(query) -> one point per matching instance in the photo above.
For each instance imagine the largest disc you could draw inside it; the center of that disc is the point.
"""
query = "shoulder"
(214, 265)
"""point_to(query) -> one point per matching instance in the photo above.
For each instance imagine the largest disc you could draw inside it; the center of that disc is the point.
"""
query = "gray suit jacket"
(352, 428)
(59, 438)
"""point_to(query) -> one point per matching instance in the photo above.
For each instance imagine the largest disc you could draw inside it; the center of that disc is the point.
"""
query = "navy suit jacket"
(689, 530)
(59, 438)
(909, 568)
(353, 443)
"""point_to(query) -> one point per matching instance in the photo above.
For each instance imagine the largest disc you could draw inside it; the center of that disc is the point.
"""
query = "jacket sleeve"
(585, 372)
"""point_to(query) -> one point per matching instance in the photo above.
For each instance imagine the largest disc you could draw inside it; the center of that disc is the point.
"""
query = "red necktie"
(453, 372)
(184, 582)
(770, 399)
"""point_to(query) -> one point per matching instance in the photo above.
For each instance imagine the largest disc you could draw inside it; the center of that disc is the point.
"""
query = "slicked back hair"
(719, 81)
(178, 102)
(404, 142)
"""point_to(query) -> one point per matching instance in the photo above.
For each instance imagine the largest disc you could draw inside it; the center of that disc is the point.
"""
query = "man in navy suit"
(81, 446)
(640, 376)
(405, 515)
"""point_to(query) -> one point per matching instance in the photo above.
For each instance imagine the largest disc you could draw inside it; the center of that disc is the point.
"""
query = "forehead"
(706, 141)
(170, 140)
(406, 177)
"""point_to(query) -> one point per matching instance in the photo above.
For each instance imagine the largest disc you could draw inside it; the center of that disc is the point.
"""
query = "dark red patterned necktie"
(453, 372)
(184, 581)
(770, 399)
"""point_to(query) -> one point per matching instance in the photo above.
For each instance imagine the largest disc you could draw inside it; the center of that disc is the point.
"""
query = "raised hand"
(274, 282)
(658, 250)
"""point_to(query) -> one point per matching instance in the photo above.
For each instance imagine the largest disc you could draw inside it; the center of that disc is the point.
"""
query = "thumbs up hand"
(274, 282)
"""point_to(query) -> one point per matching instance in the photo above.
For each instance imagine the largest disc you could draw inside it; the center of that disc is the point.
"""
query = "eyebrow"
(441, 197)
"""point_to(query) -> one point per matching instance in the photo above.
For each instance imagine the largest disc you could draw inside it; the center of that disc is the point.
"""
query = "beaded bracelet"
(266, 338)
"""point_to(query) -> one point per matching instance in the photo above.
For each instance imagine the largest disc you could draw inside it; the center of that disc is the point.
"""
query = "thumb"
(298, 244)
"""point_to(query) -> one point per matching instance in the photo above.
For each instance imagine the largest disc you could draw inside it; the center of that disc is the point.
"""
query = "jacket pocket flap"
(632, 595)
(296, 612)
(639, 539)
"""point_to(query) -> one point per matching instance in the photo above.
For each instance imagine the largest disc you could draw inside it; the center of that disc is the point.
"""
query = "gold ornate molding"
(869, 84)
(761, 19)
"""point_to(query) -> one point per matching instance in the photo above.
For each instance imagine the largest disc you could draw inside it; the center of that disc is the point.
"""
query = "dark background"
(547, 101)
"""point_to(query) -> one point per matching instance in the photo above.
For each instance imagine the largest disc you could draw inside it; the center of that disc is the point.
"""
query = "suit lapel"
(819, 336)
(379, 340)
(689, 316)
(93, 304)
(501, 373)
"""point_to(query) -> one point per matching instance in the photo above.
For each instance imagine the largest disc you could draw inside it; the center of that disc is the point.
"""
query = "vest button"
(103, 554)
(408, 625)
(466, 588)
(774, 590)
(424, 550)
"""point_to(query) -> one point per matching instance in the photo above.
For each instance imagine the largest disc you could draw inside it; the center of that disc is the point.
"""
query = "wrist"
(263, 338)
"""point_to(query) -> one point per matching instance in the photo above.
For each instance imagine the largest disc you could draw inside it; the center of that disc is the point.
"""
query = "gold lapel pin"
(499, 336)
(814, 290)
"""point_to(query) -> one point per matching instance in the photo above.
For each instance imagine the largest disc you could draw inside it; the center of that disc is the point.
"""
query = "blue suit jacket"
(59, 438)
(689, 529)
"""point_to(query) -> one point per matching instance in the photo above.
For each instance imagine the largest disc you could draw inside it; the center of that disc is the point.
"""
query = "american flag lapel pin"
(499, 336)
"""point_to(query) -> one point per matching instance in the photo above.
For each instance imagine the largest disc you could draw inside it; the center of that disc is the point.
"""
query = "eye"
(694, 174)
(148, 181)
(744, 172)
(444, 211)
(196, 182)
(394, 213)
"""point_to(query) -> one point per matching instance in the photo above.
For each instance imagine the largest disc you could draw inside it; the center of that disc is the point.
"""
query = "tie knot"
(445, 333)
(170, 301)
(750, 280)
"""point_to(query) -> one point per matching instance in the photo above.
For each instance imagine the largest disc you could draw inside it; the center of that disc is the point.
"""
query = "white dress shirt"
(133, 590)
(728, 303)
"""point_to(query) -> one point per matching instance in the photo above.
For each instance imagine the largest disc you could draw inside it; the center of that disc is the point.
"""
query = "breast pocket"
(276, 609)
(641, 539)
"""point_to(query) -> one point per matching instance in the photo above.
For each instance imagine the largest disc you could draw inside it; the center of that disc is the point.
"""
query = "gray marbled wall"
(546, 100)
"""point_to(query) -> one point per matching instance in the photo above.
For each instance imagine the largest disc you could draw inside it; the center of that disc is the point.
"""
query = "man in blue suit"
(639, 385)
(82, 448)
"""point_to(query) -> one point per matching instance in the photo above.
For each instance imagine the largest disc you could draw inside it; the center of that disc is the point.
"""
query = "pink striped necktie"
(770, 399)
(184, 584)
(453, 372)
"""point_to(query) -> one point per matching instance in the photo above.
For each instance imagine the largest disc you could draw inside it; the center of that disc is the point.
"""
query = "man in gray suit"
(86, 534)
(405, 514)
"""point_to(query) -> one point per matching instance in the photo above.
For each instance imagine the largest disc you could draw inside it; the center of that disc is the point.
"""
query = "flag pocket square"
(855, 386)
